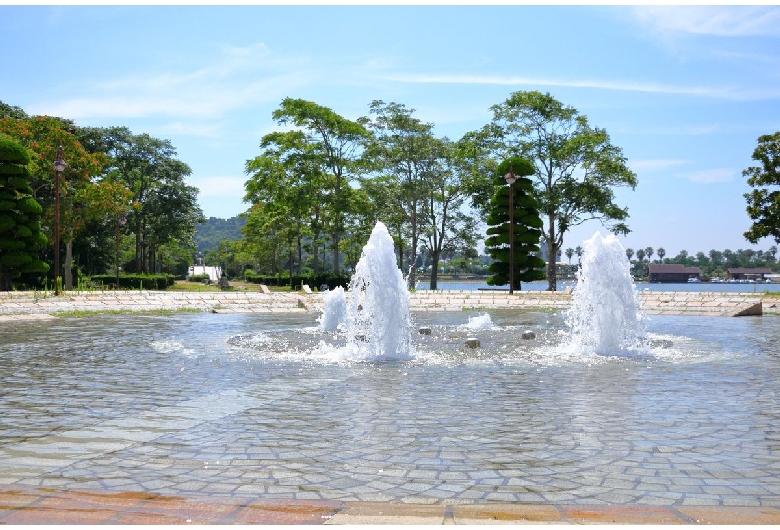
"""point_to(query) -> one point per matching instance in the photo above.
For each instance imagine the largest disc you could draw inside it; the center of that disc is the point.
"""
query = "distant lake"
(694, 287)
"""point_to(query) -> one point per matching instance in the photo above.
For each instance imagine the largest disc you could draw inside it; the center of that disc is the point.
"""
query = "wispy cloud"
(731, 93)
(723, 21)
(652, 166)
(234, 78)
(218, 187)
(709, 176)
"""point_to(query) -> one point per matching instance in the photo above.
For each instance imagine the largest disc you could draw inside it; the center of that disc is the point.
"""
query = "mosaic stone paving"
(165, 405)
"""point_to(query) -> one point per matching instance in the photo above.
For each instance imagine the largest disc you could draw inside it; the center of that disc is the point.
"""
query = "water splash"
(478, 322)
(378, 323)
(334, 316)
(605, 316)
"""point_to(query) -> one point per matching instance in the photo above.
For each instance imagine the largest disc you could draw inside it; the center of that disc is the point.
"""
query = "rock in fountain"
(335, 314)
(378, 323)
(605, 317)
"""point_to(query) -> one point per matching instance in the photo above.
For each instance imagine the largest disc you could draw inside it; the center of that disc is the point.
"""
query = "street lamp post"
(59, 167)
(510, 179)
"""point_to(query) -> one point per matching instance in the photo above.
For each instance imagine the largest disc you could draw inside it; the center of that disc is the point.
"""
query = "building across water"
(672, 273)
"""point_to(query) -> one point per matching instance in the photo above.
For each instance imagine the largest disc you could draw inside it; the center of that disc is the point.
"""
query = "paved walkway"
(53, 504)
(664, 303)
(48, 506)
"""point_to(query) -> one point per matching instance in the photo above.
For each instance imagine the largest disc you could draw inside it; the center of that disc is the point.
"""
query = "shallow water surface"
(264, 404)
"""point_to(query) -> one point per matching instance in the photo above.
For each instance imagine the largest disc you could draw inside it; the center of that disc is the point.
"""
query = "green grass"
(158, 312)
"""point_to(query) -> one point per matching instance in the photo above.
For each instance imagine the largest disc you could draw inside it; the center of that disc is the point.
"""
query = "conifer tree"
(527, 227)
(20, 216)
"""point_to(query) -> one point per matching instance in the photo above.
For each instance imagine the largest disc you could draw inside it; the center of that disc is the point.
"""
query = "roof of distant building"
(671, 268)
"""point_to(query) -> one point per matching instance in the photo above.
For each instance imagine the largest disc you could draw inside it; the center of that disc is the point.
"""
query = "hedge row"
(313, 281)
(153, 282)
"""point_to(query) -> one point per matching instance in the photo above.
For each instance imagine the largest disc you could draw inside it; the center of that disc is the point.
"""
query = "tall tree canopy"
(403, 152)
(161, 208)
(337, 143)
(576, 165)
(763, 202)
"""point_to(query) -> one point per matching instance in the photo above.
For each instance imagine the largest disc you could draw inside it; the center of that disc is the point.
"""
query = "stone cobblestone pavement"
(190, 462)
(50, 506)
(663, 303)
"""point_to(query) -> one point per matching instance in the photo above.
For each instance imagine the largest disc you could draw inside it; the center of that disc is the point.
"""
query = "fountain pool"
(225, 405)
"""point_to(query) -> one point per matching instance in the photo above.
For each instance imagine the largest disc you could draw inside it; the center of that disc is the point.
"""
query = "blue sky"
(684, 91)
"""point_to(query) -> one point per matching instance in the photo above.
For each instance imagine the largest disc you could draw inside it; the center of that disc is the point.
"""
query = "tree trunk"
(68, 266)
(434, 270)
(335, 241)
(552, 251)
(6, 282)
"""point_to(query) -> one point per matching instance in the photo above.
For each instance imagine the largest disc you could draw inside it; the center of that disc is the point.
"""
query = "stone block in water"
(425, 330)
(528, 335)
(472, 342)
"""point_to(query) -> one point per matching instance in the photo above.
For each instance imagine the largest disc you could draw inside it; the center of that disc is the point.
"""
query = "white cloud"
(234, 78)
(651, 166)
(709, 176)
(220, 186)
(732, 93)
(723, 21)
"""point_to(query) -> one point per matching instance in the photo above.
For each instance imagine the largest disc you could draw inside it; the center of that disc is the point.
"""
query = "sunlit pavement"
(26, 304)
(69, 504)
(50, 506)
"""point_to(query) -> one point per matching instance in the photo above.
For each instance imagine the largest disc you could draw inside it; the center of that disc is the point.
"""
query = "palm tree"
(569, 254)
(640, 254)
(578, 251)
(649, 252)
(661, 253)
(629, 254)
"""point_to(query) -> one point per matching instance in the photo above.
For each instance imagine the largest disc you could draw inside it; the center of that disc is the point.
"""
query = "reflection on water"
(140, 402)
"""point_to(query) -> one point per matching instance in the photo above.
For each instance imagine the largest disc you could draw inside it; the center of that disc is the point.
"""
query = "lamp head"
(510, 177)
(59, 164)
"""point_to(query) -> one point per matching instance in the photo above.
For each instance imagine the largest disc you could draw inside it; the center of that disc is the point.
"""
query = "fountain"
(378, 323)
(605, 317)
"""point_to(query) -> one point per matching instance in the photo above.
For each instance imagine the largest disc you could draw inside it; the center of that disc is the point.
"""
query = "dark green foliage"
(153, 282)
(13, 153)
(198, 277)
(313, 281)
(20, 233)
(527, 227)
(763, 202)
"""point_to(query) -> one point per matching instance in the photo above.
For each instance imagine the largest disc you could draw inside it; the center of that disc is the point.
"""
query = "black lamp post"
(59, 167)
(510, 179)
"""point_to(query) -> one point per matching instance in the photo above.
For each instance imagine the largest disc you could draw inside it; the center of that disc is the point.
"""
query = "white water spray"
(605, 316)
(335, 313)
(378, 323)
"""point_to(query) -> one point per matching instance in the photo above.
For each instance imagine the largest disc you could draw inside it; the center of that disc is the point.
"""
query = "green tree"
(448, 228)
(763, 202)
(287, 178)
(661, 253)
(640, 254)
(403, 150)
(649, 252)
(43, 135)
(576, 165)
(20, 231)
(165, 208)
(527, 227)
(629, 253)
(338, 144)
